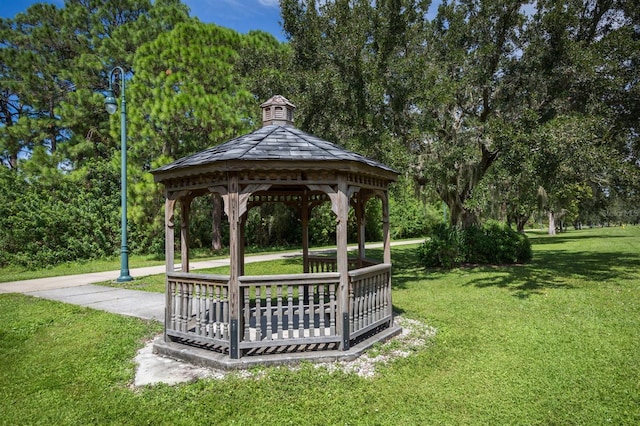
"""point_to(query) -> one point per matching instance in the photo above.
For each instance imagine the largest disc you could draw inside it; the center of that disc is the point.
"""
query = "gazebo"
(337, 303)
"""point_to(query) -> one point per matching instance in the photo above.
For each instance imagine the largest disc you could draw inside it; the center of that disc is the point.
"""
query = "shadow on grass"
(563, 238)
(557, 269)
(550, 268)
(406, 268)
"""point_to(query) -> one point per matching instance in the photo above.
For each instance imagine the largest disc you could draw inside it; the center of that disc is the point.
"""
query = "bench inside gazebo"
(334, 309)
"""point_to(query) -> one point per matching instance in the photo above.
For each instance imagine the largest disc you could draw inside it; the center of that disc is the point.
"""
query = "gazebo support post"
(304, 213)
(169, 253)
(343, 260)
(235, 256)
(185, 212)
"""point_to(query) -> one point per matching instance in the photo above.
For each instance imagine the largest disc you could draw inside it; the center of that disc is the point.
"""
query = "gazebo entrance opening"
(335, 302)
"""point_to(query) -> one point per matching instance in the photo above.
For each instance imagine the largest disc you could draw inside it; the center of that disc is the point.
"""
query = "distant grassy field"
(553, 342)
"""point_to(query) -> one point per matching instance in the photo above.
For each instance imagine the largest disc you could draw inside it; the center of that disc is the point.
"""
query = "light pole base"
(123, 278)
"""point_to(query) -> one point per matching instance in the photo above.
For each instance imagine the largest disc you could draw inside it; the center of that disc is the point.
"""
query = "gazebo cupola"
(277, 110)
(334, 306)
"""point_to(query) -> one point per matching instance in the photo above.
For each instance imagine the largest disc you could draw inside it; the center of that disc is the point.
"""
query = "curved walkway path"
(80, 290)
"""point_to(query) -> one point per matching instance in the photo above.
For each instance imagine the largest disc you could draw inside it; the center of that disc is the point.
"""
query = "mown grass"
(552, 342)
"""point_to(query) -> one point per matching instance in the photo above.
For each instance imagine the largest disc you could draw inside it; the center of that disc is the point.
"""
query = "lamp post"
(111, 107)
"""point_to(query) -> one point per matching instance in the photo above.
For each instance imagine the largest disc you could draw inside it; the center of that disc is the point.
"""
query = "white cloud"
(270, 3)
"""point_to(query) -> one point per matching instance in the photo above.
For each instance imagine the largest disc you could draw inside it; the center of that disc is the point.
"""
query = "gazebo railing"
(277, 310)
(369, 299)
(282, 310)
(198, 307)
(319, 264)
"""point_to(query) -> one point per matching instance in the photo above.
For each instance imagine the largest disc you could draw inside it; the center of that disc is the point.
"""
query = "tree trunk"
(216, 216)
(552, 223)
(521, 221)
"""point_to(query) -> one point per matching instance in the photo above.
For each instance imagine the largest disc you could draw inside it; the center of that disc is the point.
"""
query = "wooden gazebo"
(335, 302)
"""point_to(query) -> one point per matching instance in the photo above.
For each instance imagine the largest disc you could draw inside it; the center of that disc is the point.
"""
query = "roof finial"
(277, 110)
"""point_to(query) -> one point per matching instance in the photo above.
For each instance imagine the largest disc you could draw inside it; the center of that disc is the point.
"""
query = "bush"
(493, 243)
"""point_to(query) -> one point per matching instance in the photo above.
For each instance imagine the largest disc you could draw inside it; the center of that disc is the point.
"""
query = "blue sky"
(240, 15)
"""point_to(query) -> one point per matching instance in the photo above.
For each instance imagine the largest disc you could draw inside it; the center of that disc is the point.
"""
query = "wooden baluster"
(225, 312)
(189, 312)
(290, 311)
(247, 312)
(211, 295)
(371, 291)
(300, 311)
(321, 308)
(387, 296)
(365, 302)
(280, 319)
(376, 298)
(172, 305)
(361, 295)
(312, 311)
(216, 304)
(380, 297)
(198, 329)
(258, 313)
(180, 313)
(269, 314)
(352, 305)
(332, 309)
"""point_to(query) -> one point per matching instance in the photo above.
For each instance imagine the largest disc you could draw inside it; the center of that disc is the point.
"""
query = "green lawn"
(553, 342)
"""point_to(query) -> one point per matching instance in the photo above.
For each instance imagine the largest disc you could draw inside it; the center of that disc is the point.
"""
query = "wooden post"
(242, 243)
(185, 211)
(169, 250)
(342, 209)
(304, 212)
(235, 238)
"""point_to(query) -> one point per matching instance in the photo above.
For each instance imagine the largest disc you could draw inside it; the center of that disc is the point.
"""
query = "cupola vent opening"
(277, 110)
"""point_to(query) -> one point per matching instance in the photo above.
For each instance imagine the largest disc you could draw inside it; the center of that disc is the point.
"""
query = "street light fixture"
(111, 106)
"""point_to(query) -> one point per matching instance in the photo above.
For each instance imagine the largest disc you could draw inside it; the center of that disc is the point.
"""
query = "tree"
(187, 95)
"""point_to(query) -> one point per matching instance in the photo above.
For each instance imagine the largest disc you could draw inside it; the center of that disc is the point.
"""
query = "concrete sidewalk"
(80, 289)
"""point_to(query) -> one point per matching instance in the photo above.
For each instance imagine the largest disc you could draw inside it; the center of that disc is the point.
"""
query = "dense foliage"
(492, 104)
(63, 218)
(492, 243)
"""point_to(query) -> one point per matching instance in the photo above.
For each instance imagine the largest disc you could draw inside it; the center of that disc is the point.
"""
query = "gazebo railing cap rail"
(310, 278)
(357, 273)
(198, 276)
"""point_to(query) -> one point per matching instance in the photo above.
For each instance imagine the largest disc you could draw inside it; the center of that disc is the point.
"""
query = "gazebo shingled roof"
(273, 142)
(335, 303)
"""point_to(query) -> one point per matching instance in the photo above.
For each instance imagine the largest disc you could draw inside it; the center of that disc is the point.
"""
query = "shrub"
(442, 248)
(493, 243)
